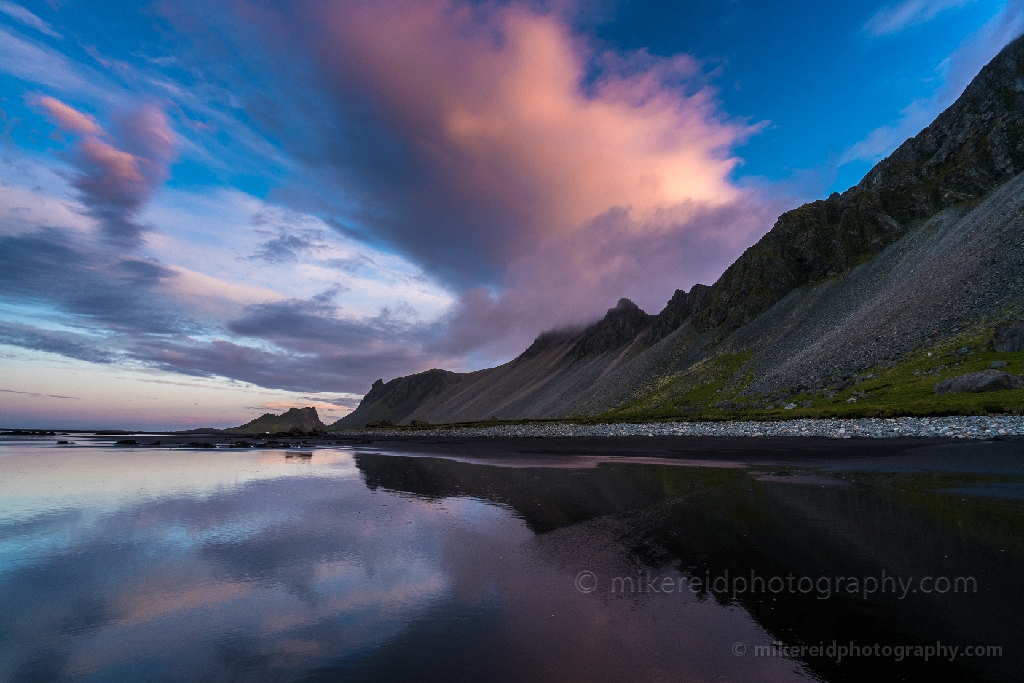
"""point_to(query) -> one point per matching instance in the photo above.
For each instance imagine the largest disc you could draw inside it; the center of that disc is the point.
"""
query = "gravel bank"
(873, 428)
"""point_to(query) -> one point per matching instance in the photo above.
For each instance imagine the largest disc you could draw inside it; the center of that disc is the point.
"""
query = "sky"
(210, 211)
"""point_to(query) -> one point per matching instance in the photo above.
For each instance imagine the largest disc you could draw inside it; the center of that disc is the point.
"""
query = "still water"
(405, 561)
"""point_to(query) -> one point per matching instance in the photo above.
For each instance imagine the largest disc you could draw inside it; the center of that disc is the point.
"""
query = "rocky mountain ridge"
(973, 147)
(929, 242)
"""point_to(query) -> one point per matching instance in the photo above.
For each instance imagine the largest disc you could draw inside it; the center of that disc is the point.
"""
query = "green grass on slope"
(697, 389)
(907, 388)
(713, 389)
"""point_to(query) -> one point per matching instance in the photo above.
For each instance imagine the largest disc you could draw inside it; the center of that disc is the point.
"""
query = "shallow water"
(370, 563)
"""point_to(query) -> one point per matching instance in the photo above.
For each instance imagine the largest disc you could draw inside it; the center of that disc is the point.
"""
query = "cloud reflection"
(290, 572)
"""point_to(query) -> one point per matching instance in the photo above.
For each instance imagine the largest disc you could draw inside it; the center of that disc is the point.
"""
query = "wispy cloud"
(957, 70)
(130, 310)
(894, 18)
(288, 246)
(39, 64)
(49, 267)
(35, 395)
(20, 14)
(69, 344)
(208, 312)
(116, 178)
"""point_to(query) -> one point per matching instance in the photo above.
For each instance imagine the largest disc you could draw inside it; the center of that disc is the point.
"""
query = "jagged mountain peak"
(304, 419)
(623, 305)
(619, 326)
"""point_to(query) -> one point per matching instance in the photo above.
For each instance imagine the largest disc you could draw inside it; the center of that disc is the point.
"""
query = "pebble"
(959, 427)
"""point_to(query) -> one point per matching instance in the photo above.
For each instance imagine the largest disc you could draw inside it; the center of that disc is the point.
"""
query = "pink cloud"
(68, 118)
(495, 154)
(116, 177)
(570, 280)
(496, 105)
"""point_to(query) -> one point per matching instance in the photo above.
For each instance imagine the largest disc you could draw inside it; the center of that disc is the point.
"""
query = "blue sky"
(213, 210)
(823, 74)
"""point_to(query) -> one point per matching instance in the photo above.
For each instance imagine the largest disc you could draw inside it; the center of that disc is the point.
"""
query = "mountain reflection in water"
(390, 564)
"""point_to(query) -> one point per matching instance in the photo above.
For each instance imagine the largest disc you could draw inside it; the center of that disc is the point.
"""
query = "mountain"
(536, 384)
(969, 150)
(302, 419)
(926, 251)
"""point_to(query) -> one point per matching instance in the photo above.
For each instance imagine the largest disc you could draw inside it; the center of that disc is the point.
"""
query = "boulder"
(986, 380)
(1009, 338)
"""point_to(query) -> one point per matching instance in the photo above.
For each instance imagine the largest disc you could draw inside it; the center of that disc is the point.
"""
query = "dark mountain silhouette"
(301, 419)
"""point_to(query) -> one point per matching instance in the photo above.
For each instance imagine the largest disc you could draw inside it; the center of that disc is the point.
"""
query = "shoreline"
(957, 427)
(973, 427)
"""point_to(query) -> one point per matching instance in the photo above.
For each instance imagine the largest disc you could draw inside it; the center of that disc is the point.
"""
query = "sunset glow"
(211, 211)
